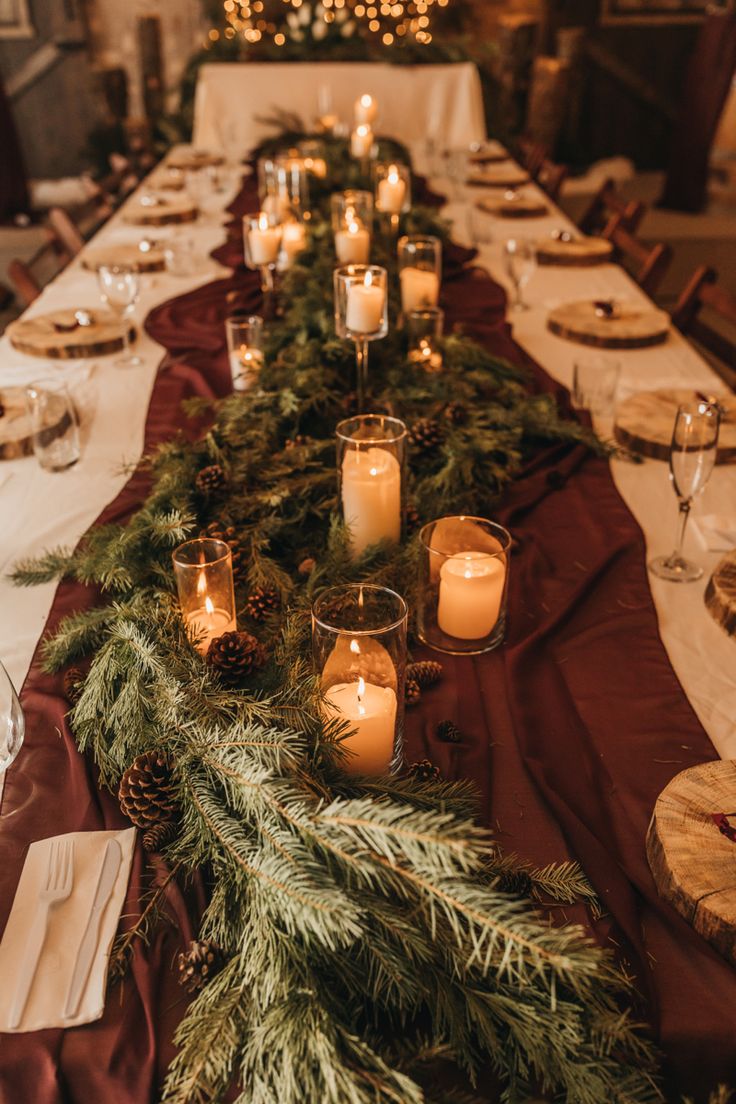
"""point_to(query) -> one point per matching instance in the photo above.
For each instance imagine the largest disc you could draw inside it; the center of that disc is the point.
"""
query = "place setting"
(610, 323)
(514, 204)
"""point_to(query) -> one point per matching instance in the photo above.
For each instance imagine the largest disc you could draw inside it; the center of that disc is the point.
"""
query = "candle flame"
(209, 605)
(393, 174)
(361, 688)
(355, 647)
(363, 130)
(468, 573)
(353, 228)
(263, 221)
(366, 100)
(368, 281)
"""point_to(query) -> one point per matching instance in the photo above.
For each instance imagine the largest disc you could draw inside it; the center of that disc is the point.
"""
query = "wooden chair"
(63, 242)
(606, 203)
(65, 232)
(702, 292)
(25, 285)
(551, 177)
(647, 264)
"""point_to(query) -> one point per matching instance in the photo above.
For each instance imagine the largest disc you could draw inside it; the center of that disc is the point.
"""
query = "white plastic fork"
(56, 888)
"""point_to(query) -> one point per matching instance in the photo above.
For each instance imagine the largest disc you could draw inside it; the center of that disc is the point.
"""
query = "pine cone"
(263, 600)
(234, 655)
(412, 692)
(425, 771)
(147, 796)
(456, 413)
(427, 672)
(426, 435)
(307, 566)
(210, 480)
(226, 533)
(517, 882)
(413, 521)
(449, 733)
(159, 835)
(198, 965)
(73, 684)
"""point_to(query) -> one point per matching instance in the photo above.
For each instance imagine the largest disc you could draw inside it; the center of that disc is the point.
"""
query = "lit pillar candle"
(245, 366)
(364, 307)
(361, 141)
(353, 245)
(264, 242)
(293, 241)
(391, 192)
(419, 288)
(471, 590)
(207, 623)
(366, 109)
(371, 497)
(371, 711)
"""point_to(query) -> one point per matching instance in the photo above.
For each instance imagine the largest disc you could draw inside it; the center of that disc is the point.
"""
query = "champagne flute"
(119, 287)
(520, 261)
(692, 458)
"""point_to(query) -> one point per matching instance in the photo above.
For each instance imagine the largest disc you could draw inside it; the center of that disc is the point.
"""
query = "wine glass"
(12, 722)
(520, 261)
(692, 457)
(119, 287)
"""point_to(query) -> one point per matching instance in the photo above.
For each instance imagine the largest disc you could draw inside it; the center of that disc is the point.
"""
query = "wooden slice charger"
(194, 159)
(720, 594)
(577, 253)
(494, 176)
(59, 336)
(15, 426)
(693, 862)
(162, 212)
(632, 326)
(490, 153)
(644, 423)
(513, 208)
(151, 260)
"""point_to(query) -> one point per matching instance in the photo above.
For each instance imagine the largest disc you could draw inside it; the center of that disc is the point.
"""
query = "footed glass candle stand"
(393, 192)
(361, 313)
(262, 234)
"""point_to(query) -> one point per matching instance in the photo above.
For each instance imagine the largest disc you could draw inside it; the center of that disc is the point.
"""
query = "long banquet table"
(571, 730)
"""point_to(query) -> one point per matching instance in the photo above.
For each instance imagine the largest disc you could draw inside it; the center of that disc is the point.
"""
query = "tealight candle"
(371, 711)
(293, 241)
(426, 356)
(361, 141)
(471, 591)
(353, 244)
(366, 109)
(207, 623)
(264, 241)
(391, 192)
(371, 497)
(245, 367)
(419, 288)
(365, 307)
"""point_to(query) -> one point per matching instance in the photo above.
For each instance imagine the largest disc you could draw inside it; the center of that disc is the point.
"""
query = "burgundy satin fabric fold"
(571, 730)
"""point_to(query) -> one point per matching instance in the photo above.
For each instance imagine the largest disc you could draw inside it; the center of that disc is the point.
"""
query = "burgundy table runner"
(571, 730)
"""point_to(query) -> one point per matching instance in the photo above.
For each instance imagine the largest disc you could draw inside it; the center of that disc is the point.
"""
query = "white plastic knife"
(88, 945)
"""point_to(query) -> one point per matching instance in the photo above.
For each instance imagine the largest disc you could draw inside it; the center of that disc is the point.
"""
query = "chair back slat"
(551, 177)
(65, 232)
(24, 283)
(607, 202)
(649, 263)
(703, 290)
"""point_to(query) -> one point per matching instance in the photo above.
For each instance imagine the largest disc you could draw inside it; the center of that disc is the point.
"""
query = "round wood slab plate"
(632, 327)
(151, 260)
(15, 426)
(513, 208)
(57, 335)
(194, 159)
(644, 422)
(578, 253)
(493, 176)
(720, 594)
(490, 153)
(692, 859)
(159, 210)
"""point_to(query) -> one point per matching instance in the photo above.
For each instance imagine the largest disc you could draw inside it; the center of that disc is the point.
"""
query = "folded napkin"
(717, 532)
(66, 926)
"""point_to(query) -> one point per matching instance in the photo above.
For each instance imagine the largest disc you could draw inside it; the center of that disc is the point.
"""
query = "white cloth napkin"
(67, 922)
(717, 532)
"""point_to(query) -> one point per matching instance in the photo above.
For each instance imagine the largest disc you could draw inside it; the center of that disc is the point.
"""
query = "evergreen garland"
(367, 927)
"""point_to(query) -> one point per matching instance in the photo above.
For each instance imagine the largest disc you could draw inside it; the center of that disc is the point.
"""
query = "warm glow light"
(209, 605)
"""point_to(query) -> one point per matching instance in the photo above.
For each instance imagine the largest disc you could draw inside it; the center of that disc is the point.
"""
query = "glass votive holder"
(359, 648)
(361, 302)
(461, 604)
(181, 257)
(371, 470)
(54, 425)
(293, 182)
(262, 233)
(420, 272)
(245, 349)
(424, 328)
(393, 188)
(293, 242)
(313, 153)
(273, 192)
(203, 570)
(352, 223)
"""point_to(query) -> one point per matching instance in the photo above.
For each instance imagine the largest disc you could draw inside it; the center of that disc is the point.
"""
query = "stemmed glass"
(12, 722)
(692, 457)
(120, 287)
(361, 312)
(520, 261)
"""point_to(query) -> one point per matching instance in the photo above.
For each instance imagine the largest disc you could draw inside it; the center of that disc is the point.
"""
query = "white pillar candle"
(391, 192)
(471, 590)
(361, 141)
(293, 241)
(245, 367)
(365, 304)
(419, 288)
(371, 497)
(353, 245)
(208, 623)
(264, 242)
(366, 109)
(371, 711)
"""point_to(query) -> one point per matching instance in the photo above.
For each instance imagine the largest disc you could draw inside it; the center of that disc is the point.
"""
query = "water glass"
(480, 226)
(54, 425)
(12, 721)
(245, 349)
(520, 261)
(594, 384)
(120, 287)
(181, 257)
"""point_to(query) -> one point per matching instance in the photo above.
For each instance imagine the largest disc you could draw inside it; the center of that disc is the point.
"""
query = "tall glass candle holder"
(424, 330)
(461, 606)
(361, 312)
(203, 570)
(420, 272)
(273, 193)
(245, 349)
(371, 477)
(352, 222)
(262, 233)
(293, 181)
(393, 191)
(293, 242)
(359, 647)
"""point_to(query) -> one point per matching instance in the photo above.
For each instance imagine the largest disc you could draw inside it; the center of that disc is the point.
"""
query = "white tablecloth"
(415, 102)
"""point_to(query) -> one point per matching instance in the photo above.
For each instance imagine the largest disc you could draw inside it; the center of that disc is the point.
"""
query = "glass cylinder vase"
(352, 224)
(420, 272)
(245, 349)
(359, 645)
(463, 586)
(203, 570)
(371, 478)
(424, 329)
(393, 188)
